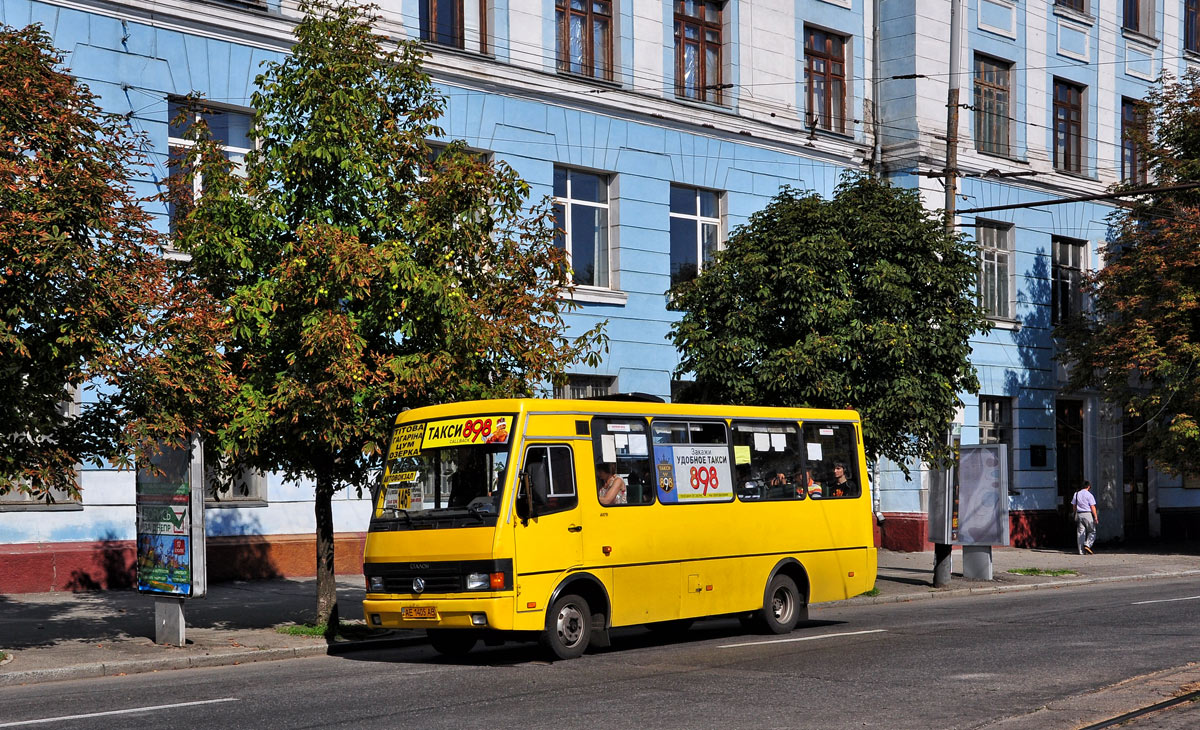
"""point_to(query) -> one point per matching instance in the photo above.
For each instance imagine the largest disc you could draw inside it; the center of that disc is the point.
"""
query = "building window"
(698, 50)
(1133, 131)
(59, 499)
(585, 37)
(229, 128)
(1068, 126)
(581, 212)
(1080, 5)
(1191, 25)
(996, 426)
(1067, 292)
(825, 70)
(995, 259)
(992, 85)
(1139, 16)
(695, 231)
(586, 386)
(442, 22)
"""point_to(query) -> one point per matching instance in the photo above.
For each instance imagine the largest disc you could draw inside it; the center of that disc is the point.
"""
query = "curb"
(982, 590)
(139, 666)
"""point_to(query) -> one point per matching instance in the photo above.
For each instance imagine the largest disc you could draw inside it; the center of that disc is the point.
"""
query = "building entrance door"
(1135, 489)
(1068, 440)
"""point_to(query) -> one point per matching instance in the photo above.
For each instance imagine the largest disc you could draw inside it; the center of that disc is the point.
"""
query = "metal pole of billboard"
(169, 624)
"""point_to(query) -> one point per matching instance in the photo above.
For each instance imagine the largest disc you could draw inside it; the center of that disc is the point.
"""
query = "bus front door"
(549, 537)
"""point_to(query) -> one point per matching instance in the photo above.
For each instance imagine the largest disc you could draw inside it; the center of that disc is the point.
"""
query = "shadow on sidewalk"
(44, 619)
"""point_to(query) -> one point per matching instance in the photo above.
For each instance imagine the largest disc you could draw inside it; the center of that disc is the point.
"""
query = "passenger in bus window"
(611, 488)
(842, 486)
(803, 483)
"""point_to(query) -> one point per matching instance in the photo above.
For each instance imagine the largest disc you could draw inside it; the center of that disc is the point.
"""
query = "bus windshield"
(451, 472)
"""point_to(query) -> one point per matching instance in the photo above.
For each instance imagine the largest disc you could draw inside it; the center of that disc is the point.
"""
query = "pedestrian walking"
(1086, 518)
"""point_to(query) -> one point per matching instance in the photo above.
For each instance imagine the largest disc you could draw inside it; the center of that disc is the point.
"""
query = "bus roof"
(523, 406)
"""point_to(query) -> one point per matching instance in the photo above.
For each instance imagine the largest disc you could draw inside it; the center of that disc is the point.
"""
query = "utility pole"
(942, 552)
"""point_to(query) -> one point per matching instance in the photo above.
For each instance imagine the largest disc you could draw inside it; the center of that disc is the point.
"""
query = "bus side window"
(768, 461)
(551, 472)
(624, 444)
(831, 458)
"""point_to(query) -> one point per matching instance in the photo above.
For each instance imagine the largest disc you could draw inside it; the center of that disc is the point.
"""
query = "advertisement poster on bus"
(169, 515)
(693, 473)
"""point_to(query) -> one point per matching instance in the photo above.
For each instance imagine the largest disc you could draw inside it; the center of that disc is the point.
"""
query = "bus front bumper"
(491, 612)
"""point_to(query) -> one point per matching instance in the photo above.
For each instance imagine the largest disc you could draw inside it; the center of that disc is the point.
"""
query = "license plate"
(419, 612)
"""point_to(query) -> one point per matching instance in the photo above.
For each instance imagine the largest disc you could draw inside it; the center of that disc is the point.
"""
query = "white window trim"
(568, 235)
(1005, 229)
(16, 501)
(702, 220)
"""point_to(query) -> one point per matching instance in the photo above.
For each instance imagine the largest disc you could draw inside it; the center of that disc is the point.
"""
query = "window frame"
(1077, 5)
(1191, 26)
(564, 229)
(989, 269)
(705, 89)
(1139, 16)
(588, 64)
(428, 21)
(601, 426)
(16, 501)
(177, 147)
(695, 424)
(1066, 277)
(1133, 121)
(1067, 115)
(578, 383)
(1002, 431)
(701, 221)
(569, 501)
(991, 113)
(850, 460)
(752, 490)
(832, 55)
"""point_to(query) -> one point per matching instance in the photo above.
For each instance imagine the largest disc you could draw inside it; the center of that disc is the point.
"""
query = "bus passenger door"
(549, 537)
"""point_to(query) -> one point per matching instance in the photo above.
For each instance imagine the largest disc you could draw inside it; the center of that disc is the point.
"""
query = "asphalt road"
(973, 662)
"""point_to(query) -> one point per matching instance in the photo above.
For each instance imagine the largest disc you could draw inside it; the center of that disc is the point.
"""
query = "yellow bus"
(562, 519)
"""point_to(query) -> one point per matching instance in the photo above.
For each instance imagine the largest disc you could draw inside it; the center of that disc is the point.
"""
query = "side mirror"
(524, 496)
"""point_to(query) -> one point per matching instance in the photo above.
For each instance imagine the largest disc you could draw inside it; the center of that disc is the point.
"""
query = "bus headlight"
(477, 581)
(375, 584)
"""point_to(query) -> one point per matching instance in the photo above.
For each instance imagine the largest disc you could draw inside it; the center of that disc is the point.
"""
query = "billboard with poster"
(170, 524)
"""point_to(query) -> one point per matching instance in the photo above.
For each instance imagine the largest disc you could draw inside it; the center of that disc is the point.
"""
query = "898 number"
(477, 428)
(706, 478)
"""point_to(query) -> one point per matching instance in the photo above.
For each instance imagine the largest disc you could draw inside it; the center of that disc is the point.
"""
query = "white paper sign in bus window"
(693, 473)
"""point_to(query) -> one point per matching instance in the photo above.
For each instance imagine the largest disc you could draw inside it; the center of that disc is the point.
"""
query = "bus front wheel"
(568, 627)
(452, 642)
(782, 605)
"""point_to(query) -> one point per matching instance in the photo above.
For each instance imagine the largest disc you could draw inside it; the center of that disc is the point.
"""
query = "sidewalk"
(53, 636)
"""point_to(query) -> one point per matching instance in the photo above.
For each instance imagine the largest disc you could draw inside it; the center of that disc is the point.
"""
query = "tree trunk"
(327, 610)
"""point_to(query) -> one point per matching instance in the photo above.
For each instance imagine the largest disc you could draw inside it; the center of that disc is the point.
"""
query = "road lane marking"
(117, 712)
(800, 638)
(1165, 600)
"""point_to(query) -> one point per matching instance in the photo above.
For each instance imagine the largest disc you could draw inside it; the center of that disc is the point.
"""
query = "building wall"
(512, 103)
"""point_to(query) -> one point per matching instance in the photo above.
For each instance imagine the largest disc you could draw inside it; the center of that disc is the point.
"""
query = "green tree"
(357, 271)
(862, 301)
(79, 269)
(1141, 345)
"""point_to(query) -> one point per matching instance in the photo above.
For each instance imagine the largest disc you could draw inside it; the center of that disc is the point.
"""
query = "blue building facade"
(658, 127)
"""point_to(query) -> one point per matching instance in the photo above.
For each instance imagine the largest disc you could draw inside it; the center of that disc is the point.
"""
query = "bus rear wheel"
(568, 627)
(782, 605)
(452, 642)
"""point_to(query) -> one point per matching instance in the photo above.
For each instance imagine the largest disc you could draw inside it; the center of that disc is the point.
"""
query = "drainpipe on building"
(877, 147)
